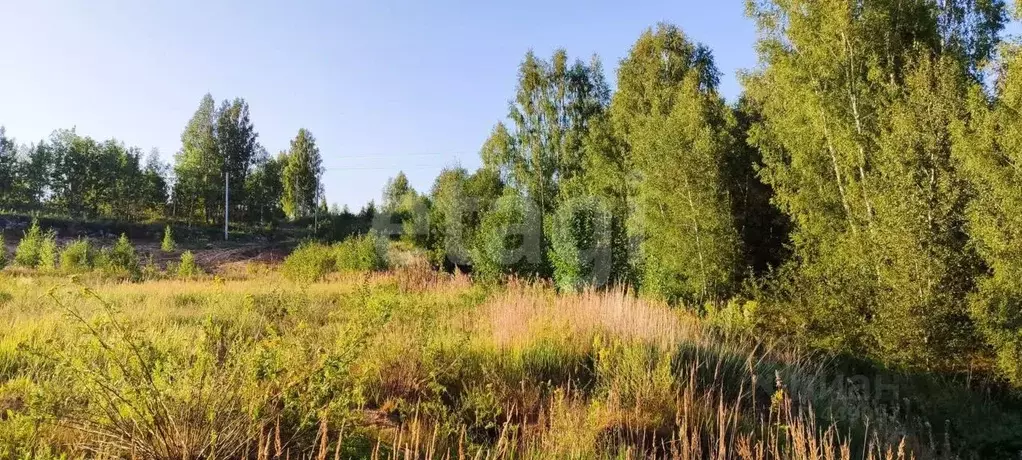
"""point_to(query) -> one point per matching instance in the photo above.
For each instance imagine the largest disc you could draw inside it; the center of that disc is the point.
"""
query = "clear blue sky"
(384, 85)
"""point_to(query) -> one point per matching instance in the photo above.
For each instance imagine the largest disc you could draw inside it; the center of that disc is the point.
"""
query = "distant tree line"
(864, 192)
(84, 178)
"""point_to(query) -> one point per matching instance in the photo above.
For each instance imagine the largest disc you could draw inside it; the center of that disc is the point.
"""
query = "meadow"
(414, 363)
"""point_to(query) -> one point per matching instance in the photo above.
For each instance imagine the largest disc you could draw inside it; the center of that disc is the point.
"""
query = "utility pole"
(227, 199)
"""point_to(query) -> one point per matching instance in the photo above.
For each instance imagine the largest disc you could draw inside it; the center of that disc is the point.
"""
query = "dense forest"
(862, 195)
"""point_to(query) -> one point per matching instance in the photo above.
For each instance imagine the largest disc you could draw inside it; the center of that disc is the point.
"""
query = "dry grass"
(522, 313)
(405, 364)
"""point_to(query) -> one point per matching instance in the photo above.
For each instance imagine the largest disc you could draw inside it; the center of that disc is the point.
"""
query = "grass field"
(416, 364)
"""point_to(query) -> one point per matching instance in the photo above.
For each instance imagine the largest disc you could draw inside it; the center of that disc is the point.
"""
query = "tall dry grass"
(405, 364)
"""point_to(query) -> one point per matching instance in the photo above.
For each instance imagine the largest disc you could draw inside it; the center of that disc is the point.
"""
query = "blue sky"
(384, 85)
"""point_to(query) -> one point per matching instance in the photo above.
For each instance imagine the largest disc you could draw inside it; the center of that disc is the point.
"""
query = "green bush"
(188, 268)
(77, 256)
(122, 256)
(309, 262)
(581, 251)
(27, 253)
(509, 240)
(361, 253)
(168, 244)
(48, 252)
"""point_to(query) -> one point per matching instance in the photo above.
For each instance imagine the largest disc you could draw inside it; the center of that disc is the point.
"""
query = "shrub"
(27, 253)
(581, 251)
(101, 259)
(48, 252)
(188, 268)
(168, 244)
(309, 262)
(150, 270)
(77, 256)
(122, 256)
(509, 240)
(361, 253)
(3, 252)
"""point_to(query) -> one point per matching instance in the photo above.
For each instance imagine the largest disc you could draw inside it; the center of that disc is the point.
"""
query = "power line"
(402, 155)
(373, 168)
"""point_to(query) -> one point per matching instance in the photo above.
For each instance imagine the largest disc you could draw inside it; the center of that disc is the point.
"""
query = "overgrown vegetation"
(77, 256)
(430, 365)
(48, 251)
(27, 252)
(312, 261)
(860, 201)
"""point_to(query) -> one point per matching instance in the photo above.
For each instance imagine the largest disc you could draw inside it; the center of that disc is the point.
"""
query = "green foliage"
(8, 168)
(449, 235)
(394, 192)
(187, 268)
(3, 252)
(27, 252)
(864, 187)
(509, 241)
(458, 202)
(413, 212)
(407, 212)
(855, 133)
(988, 147)
(217, 142)
(312, 261)
(361, 253)
(77, 256)
(581, 241)
(300, 179)
(670, 113)
(264, 189)
(48, 251)
(168, 244)
(90, 178)
(309, 262)
(122, 256)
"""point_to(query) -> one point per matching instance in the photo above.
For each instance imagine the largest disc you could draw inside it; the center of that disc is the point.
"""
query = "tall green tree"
(450, 233)
(74, 173)
(198, 165)
(264, 189)
(855, 101)
(678, 135)
(394, 191)
(989, 147)
(154, 192)
(542, 152)
(9, 166)
(36, 174)
(237, 144)
(301, 176)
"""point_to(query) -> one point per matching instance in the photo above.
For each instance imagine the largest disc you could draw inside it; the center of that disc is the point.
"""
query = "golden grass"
(522, 313)
(404, 364)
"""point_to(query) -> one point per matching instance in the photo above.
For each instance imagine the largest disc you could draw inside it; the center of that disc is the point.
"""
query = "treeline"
(81, 177)
(862, 195)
